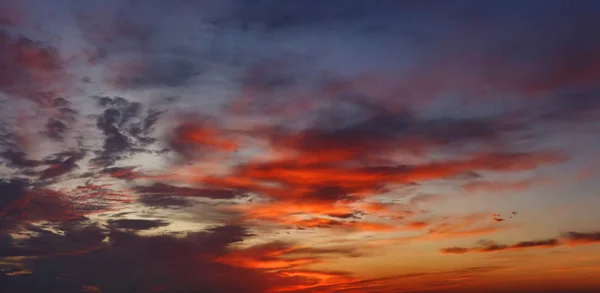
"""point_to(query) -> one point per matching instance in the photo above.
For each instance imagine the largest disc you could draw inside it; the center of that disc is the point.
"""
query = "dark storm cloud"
(133, 263)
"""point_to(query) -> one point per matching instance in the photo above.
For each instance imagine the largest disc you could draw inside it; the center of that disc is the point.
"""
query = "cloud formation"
(566, 239)
(328, 146)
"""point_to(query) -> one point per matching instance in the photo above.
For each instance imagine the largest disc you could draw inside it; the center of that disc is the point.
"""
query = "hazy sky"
(302, 146)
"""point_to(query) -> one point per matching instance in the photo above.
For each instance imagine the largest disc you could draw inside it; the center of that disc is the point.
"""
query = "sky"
(265, 146)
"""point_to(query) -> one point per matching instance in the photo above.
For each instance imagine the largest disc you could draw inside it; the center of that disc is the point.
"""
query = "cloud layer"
(328, 146)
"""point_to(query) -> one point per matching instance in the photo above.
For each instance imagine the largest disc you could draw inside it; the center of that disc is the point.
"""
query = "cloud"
(62, 167)
(568, 238)
(162, 201)
(24, 205)
(139, 263)
(281, 256)
(126, 129)
(137, 224)
(576, 238)
(311, 144)
(333, 182)
(345, 156)
(79, 254)
(494, 247)
(368, 127)
(57, 126)
(31, 70)
(18, 159)
(196, 138)
(170, 190)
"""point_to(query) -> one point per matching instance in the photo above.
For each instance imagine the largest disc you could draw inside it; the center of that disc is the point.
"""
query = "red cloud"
(192, 138)
(31, 70)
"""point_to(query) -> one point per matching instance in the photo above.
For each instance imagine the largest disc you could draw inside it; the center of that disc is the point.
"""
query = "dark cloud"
(23, 206)
(126, 129)
(11, 190)
(74, 236)
(55, 129)
(57, 126)
(18, 159)
(133, 263)
(375, 130)
(547, 242)
(62, 166)
(162, 201)
(582, 237)
(455, 250)
(137, 224)
(491, 246)
(24, 202)
(161, 189)
(126, 173)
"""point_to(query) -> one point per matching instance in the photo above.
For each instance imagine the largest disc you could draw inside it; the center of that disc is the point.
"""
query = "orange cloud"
(192, 137)
(278, 256)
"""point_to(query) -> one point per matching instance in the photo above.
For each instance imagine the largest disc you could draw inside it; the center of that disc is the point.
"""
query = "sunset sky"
(299, 146)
